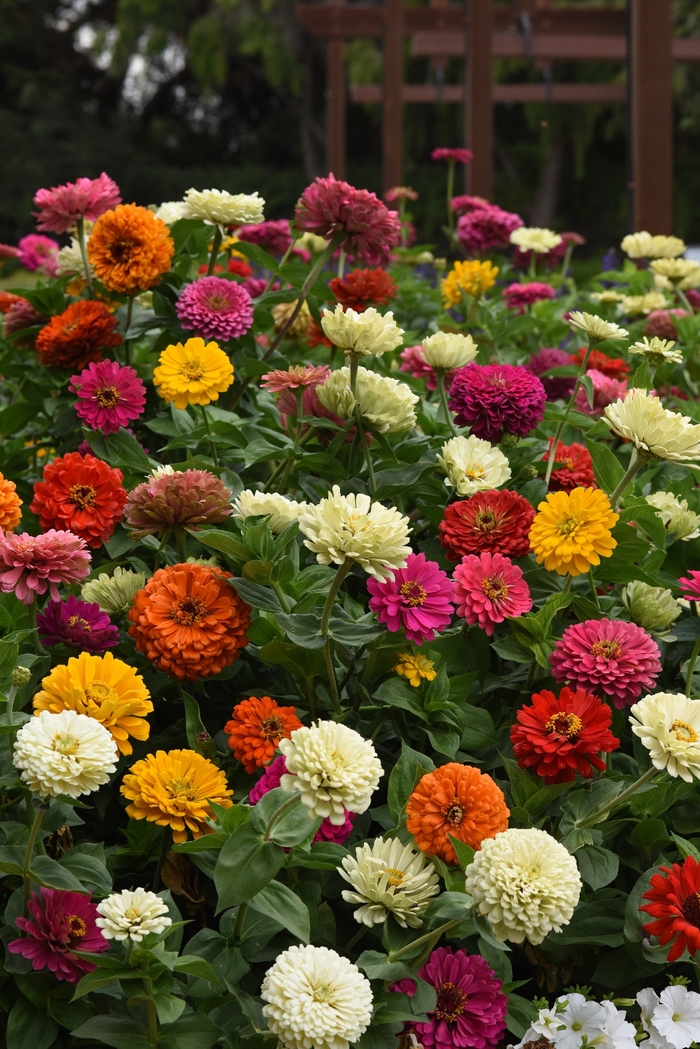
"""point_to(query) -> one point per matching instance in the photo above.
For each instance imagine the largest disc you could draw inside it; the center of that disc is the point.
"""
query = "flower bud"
(21, 676)
(650, 607)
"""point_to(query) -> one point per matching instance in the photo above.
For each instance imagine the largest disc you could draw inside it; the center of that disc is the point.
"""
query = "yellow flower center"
(684, 732)
(413, 593)
(132, 914)
(474, 473)
(272, 727)
(450, 1002)
(454, 813)
(494, 587)
(396, 877)
(563, 724)
(193, 369)
(323, 994)
(183, 790)
(567, 525)
(76, 928)
(606, 650)
(99, 693)
(107, 396)
(485, 520)
(79, 621)
(83, 495)
(64, 743)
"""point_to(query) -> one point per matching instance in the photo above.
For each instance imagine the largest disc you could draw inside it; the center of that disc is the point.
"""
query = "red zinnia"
(362, 288)
(82, 495)
(613, 367)
(558, 737)
(675, 904)
(76, 337)
(495, 521)
(573, 467)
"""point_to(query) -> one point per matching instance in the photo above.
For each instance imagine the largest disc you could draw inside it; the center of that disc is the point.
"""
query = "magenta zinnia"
(61, 923)
(607, 657)
(110, 395)
(215, 308)
(33, 564)
(419, 599)
(77, 624)
(497, 398)
(486, 227)
(556, 387)
(274, 236)
(36, 252)
(456, 155)
(489, 588)
(178, 500)
(518, 296)
(690, 586)
(329, 206)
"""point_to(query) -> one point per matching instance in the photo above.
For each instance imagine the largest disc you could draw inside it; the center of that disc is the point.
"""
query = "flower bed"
(349, 631)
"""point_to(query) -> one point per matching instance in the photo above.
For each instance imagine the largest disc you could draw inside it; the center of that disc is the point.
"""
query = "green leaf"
(685, 847)
(378, 967)
(293, 827)
(191, 1031)
(120, 449)
(46, 871)
(642, 378)
(102, 977)
(245, 865)
(521, 1013)
(168, 1007)
(279, 902)
(598, 866)
(480, 731)
(226, 544)
(609, 471)
(354, 631)
(405, 774)
(8, 658)
(121, 1032)
(29, 1027)
(256, 595)
(15, 417)
(523, 786)
(193, 965)
(197, 734)
(87, 869)
(465, 853)
(303, 630)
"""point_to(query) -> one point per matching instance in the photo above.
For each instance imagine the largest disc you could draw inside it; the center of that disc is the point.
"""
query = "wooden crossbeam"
(509, 93)
(547, 47)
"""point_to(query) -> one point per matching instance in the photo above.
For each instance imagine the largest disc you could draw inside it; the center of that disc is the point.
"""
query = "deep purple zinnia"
(497, 398)
(110, 395)
(418, 598)
(556, 387)
(215, 308)
(274, 236)
(63, 922)
(272, 777)
(77, 624)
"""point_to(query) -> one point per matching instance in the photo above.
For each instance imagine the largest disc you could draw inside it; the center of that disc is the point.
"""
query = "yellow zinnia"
(415, 668)
(571, 532)
(174, 790)
(472, 277)
(103, 688)
(193, 374)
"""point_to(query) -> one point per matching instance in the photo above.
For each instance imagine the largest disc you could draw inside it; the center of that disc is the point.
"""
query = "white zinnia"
(580, 1019)
(641, 305)
(676, 270)
(362, 334)
(473, 465)
(643, 245)
(316, 999)
(526, 883)
(389, 878)
(534, 238)
(70, 259)
(641, 418)
(115, 593)
(658, 351)
(352, 528)
(279, 510)
(668, 724)
(650, 607)
(333, 767)
(65, 753)
(171, 211)
(595, 327)
(387, 404)
(677, 519)
(677, 1016)
(609, 295)
(131, 915)
(447, 350)
(226, 209)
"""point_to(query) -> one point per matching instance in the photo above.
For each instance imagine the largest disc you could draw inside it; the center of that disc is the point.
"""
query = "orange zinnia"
(189, 621)
(76, 337)
(10, 505)
(82, 494)
(256, 728)
(129, 249)
(456, 800)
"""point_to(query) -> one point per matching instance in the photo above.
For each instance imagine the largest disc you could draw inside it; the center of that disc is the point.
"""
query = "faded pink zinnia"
(87, 198)
(484, 228)
(489, 588)
(497, 398)
(419, 599)
(274, 236)
(454, 156)
(272, 777)
(518, 296)
(38, 253)
(607, 657)
(298, 377)
(605, 391)
(110, 395)
(329, 206)
(61, 923)
(33, 564)
(690, 585)
(185, 499)
(215, 308)
(660, 323)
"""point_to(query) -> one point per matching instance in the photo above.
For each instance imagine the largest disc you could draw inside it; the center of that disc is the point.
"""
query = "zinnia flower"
(473, 465)
(683, 272)
(273, 236)
(573, 467)
(362, 334)
(418, 598)
(613, 367)
(171, 211)
(415, 668)
(183, 499)
(130, 249)
(571, 532)
(36, 252)
(657, 351)
(448, 350)
(471, 277)
(103, 688)
(297, 377)
(64, 753)
(497, 398)
(272, 777)
(486, 227)
(457, 155)
(18, 316)
(87, 198)
(10, 505)
(668, 724)
(643, 305)
(595, 327)
(559, 736)
(109, 396)
(215, 308)
(352, 528)
(77, 337)
(388, 877)
(385, 404)
(333, 768)
(607, 657)
(644, 246)
(650, 607)
(362, 288)
(677, 519)
(224, 208)
(488, 589)
(256, 728)
(455, 801)
(81, 494)
(192, 374)
(518, 296)
(329, 206)
(654, 430)
(495, 521)
(526, 883)
(605, 391)
(468, 202)
(114, 593)
(316, 998)
(189, 621)
(556, 387)
(278, 510)
(174, 789)
(60, 924)
(690, 586)
(534, 238)
(131, 915)
(7, 299)
(660, 323)
(76, 624)
(413, 361)
(32, 564)
(674, 903)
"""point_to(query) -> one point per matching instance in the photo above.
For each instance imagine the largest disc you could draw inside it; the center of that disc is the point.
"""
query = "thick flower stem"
(440, 375)
(181, 543)
(435, 935)
(354, 363)
(691, 668)
(281, 596)
(594, 592)
(562, 422)
(164, 850)
(28, 852)
(290, 804)
(152, 1014)
(83, 252)
(297, 438)
(636, 464)
(325, 618)
(240, 915)
(216, 245)
(214, 456)
(31, 612)
(684, 299)
(595, 816)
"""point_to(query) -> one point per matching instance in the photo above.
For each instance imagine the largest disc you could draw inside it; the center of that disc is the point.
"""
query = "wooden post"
(392, 116)
(477, 96)
(335, 110)
(651, 100)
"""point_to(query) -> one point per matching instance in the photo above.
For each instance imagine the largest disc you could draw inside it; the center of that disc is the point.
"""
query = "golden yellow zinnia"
(415, 668)
(472, 277)
(195, 373)
(174, 789)
(103, 688)
(571, 532)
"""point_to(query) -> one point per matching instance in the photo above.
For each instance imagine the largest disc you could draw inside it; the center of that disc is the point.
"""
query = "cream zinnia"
(677, 519)
(534, 238)
(473, 465)
(279, 510)
(385, 403)
(389, 877)
(115, 593)
(226, 209)
(447, 350)
(654, 430)
(595, 327)
(65, 753)
(668, 724)
(131, 915)
(362, 334)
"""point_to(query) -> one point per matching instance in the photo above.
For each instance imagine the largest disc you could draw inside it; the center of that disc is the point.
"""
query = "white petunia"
(579, 1020)
(677, 1016)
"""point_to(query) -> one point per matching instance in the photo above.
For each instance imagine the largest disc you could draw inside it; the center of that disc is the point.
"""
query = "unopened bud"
(508, 440)
(21, 676)
(528, 473)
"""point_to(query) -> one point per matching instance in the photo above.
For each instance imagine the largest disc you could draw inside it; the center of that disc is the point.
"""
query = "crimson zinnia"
(82, 495)
(362, 288)
(674, 903)
(495, 521)
(573, 467)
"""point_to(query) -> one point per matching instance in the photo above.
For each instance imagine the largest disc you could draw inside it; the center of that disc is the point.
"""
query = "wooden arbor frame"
(642, 37)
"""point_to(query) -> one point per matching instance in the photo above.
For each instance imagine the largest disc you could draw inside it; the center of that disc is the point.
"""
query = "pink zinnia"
(273, 236)
(19, 316)
(64, 922)
(518, 296)
(110, 395)
(33, 564)
(497, 398)
(272, 777)
(329, 206)
(605, 391)
(38, 253)
(215, 308)
(470, 1012)
(182, 499)
(690, 586)
(61, 206)
(8, 252)
(255, 286)
(454, 156)
(607, 657)
(556, 387)
(297, 377)
(466, 202)
(419, 599)
(489, 588)
(660, 323)
(484, 228)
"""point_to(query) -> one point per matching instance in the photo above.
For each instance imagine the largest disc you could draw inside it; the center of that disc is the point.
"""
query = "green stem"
(83, 252)
(152, 1014)
(636, 464)
(160, 549)
(533, 264)
(450, 194)
(216, 244)
(394, 956)
(127, 342)
(594, 816)
(214, 456)
(356, 938)
(594, 592)
(691, 668)
(31, 612)
(238, 925)
(440, 375)
(684, 299)
(283, 260)
(562, 423)
(567, 584)
(567, 260)
(341, 264)
(294, 800)
(164, 850)
(181, 543)
(278, 469)
(325, 618)
(28, 852)
(365, 448)
(282, 597)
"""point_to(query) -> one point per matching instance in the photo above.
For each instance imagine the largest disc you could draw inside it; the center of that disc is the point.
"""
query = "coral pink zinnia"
(518, 296)
(33, 564)
(413, 361)
(489, 588)
(495, 521)
(297, 377)
(61, 923)
(329, 206)
(605, 391)
(215, 308)
(555, 386)
(419, 599)
(87, 198)
(497, 398)
(109, 395)
(607, 657)
(184, 499)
